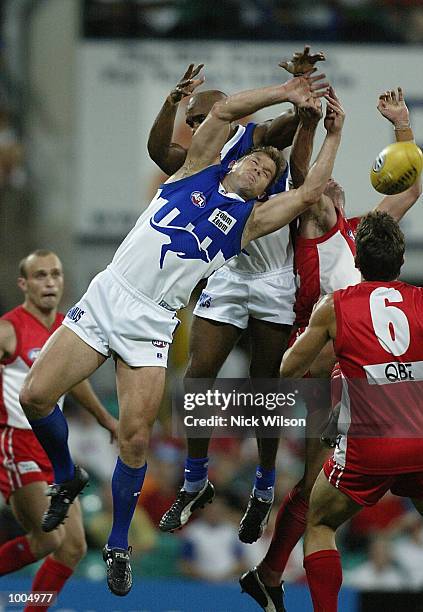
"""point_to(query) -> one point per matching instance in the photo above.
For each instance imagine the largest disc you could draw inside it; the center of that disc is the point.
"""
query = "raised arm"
(168, 155)
(283, 208)
(392, 106)
(210, 137)
(84, 395)
(302, 146)
(321, 328)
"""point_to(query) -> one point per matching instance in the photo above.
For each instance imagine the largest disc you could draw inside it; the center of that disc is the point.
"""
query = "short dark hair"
(37, 253)
(380, 247)
(275, 155)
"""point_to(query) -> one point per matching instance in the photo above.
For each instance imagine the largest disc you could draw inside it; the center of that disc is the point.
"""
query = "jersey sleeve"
(238, 146)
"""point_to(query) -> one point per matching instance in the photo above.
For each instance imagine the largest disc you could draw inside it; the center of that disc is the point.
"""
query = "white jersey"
(269, 253)
(191, 228)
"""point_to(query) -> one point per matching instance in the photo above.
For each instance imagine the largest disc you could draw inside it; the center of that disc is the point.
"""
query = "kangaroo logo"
(183, 242)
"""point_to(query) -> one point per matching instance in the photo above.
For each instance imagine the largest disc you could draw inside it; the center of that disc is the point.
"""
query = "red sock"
(51, 576)
(289, 527)
(14, 555)
(324, 575)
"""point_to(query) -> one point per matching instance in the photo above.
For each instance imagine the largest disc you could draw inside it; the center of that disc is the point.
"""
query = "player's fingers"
(197, 70)
(332, 93)
(185, 83)
(306, 50)
(323, 86)
(400, 94)
(283, 65)
(315, 77)
(334, 103)
(197, 82)
(187, 72)
(317, 57)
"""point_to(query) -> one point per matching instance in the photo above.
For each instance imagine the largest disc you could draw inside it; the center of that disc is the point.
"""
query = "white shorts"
(113, 317)
(231, 297)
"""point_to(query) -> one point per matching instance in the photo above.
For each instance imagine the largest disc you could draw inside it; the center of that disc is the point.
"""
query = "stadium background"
(80, 85)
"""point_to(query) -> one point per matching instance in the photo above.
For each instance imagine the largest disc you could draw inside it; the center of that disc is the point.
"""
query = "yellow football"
(396, 168)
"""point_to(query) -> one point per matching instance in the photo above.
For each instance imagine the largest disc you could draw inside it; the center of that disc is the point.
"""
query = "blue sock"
(264, 484)
(195, 474)
(126, 486)
(52, 433)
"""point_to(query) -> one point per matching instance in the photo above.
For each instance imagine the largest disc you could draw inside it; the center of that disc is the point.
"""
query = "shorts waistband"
(255, 275)
(138, 294)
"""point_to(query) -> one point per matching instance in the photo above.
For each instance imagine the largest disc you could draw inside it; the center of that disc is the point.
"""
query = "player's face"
(196, 112)
(253, 174)
(43, 286)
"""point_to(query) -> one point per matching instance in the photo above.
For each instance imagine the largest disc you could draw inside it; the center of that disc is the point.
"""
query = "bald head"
(199, 106)
(27, 262)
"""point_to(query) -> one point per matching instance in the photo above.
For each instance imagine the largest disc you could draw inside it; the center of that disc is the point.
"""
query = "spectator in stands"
(379, 572)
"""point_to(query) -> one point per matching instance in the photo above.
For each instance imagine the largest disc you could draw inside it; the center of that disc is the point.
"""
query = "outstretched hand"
(391, 105)
(335, 114)
(187, 83)
(302, 89)
(302, 62)
(311, 112)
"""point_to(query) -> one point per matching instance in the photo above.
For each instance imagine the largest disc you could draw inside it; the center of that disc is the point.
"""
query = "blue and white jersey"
(268, 253)
(190, 229)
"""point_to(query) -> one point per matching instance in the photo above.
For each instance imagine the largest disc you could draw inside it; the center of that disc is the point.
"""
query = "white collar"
(233, 196)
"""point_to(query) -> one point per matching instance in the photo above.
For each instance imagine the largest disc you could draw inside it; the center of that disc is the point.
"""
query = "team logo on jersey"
(159, 343)
(75, 314)
(205, 300)
(351, 234)
(198, 199)
(183, 242)
(222, 220)
(33, 353)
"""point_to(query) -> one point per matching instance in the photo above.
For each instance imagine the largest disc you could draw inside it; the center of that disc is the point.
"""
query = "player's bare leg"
(268, 344)
(64, 361)
(140, 391)
(63, 548)
(28, 505)
(210, 344)
(329, 509)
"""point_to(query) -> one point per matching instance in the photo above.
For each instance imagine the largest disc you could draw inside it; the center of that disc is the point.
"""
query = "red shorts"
(368, 489)
(22, 460)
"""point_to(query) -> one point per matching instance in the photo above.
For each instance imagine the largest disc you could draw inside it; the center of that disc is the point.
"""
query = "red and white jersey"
(324, 265)
(379, 345)
(31, 335)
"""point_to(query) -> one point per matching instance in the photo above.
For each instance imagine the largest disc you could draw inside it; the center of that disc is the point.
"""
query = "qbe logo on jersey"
(222, 220)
